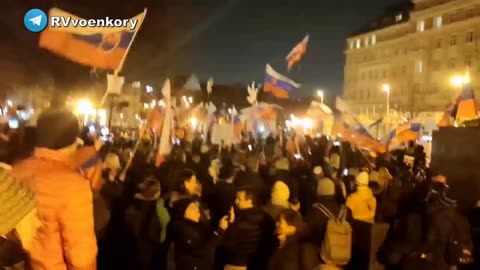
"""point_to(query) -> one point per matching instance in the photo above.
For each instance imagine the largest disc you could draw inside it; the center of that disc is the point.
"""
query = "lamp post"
(386, 88)
(320, 94)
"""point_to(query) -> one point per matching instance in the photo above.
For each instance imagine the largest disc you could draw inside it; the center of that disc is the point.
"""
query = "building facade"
(416, 49)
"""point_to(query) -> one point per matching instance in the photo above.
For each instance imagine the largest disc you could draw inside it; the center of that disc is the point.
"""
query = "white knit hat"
(325, 187)
(362, 179)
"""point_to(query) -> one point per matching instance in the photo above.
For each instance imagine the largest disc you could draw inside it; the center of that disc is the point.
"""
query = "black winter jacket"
(194, 245)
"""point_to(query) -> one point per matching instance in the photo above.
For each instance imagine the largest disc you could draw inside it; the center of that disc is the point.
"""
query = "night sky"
(231, 40)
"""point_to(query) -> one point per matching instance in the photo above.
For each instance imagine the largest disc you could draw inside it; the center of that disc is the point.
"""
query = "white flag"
(165, 142)
(210, 85)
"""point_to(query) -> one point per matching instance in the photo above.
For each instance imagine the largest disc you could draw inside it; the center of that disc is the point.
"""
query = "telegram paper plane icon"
(36, 20)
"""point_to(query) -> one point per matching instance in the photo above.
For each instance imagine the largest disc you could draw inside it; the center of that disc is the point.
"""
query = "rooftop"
(394, 14)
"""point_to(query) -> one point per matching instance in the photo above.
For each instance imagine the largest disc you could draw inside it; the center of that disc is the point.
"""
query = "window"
(451, 63)
(438, 44)
(416, 88)
(352, 44)
(358, 44)
(399, 17)
(420, 26)
(453, 40)
(374, 39)
(367, 41)
(468, 60)
(419, 67)
(469, 37)
(437, 22)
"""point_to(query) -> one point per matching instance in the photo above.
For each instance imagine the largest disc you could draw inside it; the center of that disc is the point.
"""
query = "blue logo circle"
(35, 20)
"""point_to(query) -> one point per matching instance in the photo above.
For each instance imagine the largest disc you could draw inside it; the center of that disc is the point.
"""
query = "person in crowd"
(279, 200)
(66, 239)
(225, 191)
(435, 237)
(295, 252)
(194, 244)
(250, 239)
(362, 202)
(144, 223)
(315, 218)
(18, 220)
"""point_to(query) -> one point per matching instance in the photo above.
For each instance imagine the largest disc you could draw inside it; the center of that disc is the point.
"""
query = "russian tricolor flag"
(277, 84)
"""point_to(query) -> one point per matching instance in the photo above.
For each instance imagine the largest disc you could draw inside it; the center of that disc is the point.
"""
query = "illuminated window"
(399, 17)
(469, 37)
(420, 26)
(352, 44)
(358, 44)
(374, 40)
(453, 40)
(367, 41)
(437, 22)
(419, 67)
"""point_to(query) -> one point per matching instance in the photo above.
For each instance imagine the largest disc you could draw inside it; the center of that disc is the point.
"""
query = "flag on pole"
(277, 84)
(165, 141)
(405, 132)
(97, 47)
(297, 52)
(210, 85)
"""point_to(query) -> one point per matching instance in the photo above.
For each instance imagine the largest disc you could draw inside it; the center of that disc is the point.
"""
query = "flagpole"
(130, 44)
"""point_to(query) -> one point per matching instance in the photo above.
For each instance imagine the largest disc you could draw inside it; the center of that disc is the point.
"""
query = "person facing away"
(249, 241)
(66, 239)
(362, 202)
(294, 251)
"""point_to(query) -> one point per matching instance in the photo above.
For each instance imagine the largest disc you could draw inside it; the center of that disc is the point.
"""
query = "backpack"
(337, 245)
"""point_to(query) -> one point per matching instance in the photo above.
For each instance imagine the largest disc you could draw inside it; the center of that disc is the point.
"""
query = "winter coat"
(249, 241)
(363, 204)
(145, 228)
(66, 239)
(223, 199)
(295, 254)
(194, 245)
(317, 221)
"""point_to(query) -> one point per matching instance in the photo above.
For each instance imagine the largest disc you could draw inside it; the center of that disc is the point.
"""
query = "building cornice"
(441, 8)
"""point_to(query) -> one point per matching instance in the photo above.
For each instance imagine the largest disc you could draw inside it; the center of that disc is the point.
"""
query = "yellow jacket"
(363, 204)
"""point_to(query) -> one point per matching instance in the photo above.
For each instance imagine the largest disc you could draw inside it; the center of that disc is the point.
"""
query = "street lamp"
(320, 94)
(386, 88)
(459, 81)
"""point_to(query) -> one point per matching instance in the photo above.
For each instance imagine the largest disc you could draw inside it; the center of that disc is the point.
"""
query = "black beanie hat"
(56, 129)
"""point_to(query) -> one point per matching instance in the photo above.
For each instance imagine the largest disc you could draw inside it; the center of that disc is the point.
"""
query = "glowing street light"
(190, 99)
(320, 94)
(387, 89)
(84, 106)
(460, 81)
(149, 89)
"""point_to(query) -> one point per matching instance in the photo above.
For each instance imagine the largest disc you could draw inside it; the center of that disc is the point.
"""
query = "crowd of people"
(84, 204)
